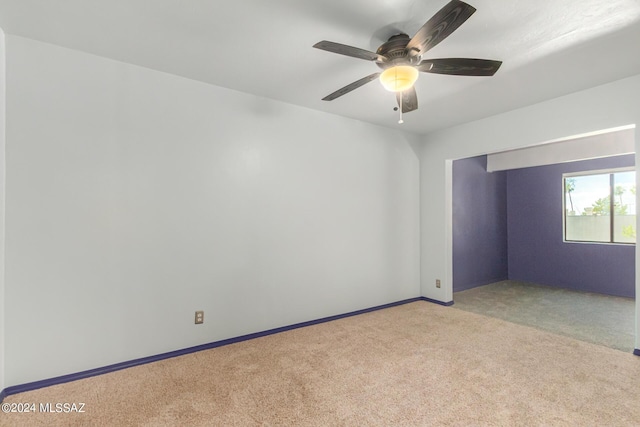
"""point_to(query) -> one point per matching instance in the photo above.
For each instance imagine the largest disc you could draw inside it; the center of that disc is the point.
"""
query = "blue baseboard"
(446, 304)
(636, 352)
(144, 360)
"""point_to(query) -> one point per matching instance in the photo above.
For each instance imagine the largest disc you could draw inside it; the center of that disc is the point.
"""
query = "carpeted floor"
(413, 365)
(596, 318)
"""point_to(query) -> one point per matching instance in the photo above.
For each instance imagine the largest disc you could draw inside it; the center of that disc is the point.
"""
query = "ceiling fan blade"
(348, 88)
(440, 26)
(409, 100)
(460, 66)
(344, 49)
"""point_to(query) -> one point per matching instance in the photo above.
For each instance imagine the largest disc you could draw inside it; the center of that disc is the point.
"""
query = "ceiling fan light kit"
(400, 57)
(399, 78)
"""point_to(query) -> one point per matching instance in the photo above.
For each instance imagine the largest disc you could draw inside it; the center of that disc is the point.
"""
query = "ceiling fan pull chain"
(401, 121)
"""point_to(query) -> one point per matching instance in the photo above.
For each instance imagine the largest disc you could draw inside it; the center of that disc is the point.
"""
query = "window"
(600, 206)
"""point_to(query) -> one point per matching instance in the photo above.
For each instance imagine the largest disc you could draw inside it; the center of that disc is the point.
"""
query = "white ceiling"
(549, 48)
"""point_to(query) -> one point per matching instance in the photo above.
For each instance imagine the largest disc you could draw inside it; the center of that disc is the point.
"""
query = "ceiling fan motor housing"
(395, 50)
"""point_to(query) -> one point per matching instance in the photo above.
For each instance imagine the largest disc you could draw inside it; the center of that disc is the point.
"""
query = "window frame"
(611, 172)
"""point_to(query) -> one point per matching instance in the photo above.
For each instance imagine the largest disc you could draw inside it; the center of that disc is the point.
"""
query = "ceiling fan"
(401, 57)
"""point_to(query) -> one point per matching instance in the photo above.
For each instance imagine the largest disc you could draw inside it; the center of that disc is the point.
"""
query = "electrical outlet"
(199, 317)
(437, 283)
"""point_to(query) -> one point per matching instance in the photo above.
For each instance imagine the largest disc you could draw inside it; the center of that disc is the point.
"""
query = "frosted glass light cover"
(400, 78)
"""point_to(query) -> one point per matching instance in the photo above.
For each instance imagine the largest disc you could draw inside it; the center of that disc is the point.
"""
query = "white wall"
(601, 144)
(2, 206)
(135, 198)
(604, 107)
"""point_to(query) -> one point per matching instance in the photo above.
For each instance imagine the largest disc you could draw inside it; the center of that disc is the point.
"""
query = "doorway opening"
(511, 258)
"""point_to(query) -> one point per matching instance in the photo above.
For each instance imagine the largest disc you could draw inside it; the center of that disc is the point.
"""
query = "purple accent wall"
(479, 224)
(536, 249)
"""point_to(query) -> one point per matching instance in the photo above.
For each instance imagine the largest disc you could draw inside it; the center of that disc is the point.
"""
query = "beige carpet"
(417, 364)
